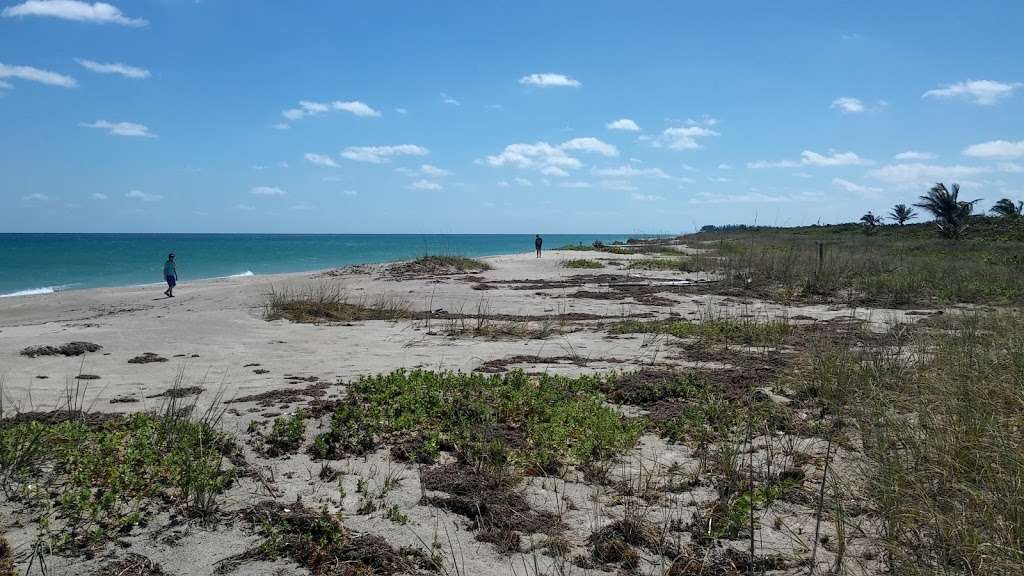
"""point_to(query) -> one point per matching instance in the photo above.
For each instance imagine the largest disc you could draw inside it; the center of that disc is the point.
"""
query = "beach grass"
(329, 303)
(582, 263)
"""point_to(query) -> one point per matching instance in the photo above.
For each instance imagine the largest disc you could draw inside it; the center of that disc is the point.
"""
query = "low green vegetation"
(328, 303)
(672, 263)
(743, 331)
(510, 418)
(582, 263)
(448, 264)
(91, 477)
(898, 266)
(287, 434)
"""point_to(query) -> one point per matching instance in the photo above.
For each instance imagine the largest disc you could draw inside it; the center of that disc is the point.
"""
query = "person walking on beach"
(170, 275)
(537, 243)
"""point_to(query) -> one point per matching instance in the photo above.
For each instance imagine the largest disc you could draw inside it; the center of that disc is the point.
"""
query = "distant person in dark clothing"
(170, 275)
(537, 243)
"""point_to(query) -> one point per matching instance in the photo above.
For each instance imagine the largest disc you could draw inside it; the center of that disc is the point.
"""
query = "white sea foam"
(242, 275)
(35, 291)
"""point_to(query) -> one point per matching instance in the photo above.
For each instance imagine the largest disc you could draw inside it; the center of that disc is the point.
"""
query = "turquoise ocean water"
(46, 263)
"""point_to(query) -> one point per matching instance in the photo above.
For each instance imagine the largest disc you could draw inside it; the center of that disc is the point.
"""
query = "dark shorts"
(171, 281)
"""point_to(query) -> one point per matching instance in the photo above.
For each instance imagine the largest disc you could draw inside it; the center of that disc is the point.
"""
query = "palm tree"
(902, 213)
(871, 222)
(950, 212)
(1006, 208)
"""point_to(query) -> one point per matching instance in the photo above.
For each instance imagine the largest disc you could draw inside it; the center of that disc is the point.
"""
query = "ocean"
(47, 263)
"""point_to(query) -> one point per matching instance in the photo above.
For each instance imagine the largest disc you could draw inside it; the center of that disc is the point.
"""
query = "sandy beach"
(213, 335)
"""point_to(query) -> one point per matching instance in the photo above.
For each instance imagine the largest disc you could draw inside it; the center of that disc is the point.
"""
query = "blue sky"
(476, 117)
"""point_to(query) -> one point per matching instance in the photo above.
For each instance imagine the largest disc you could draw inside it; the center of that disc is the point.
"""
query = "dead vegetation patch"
(179, 392)
(499, 365)
(437, 266)
(283, 396)
(69, 349)
(147, 358)
(319, 542)
(131, 565)
(492, 501)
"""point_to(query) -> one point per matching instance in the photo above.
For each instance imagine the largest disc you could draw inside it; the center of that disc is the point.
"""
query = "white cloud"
(280, 126)
(753, 197)
(349, 193)
(914, 155)
(99, 13)
(996, 149)
(434, 171)
(684, 138)
(836, 159)
(982, 92)
(548, 79)
(503, 184)
(129, 129)
(302, 206)
(245, 207)
(401, 111)
(627, 171)
(424, 184)
(1010, 167)
(282, 164)
(590, 144)
(920, 174)
(725, 166)
(35, 197)
(522, 182)
(772, 164)
(554, 171)
(381, 154)
(5, 85)
(623, 124)
(848, 105)
(114, 68)
(320, 160)
(647, 197)
(577, 184)
(309, 108)
(618, 185)
(267, 191)
(540, 154)
(144, 196)
(865, 191)
(450, 100)
(36, 75)
(98, 196)
(718, 179)
(356, 107)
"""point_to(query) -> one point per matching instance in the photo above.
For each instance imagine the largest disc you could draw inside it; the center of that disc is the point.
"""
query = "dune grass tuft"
(582, 263)
(327, 303)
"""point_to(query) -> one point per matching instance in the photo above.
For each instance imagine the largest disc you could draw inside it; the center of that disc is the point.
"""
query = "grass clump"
(673, 264)
(582, 263)
(719, 330)
(326, 303)
(286, 434)
(509, 418)
(944, 436)
(431, 265)
(94, 477)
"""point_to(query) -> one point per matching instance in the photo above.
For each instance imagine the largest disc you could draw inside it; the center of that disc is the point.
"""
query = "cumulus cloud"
(129, 129)
(554, 171)
(914, 155)
(574, 185)
(35, 197)
(549, 79)
(98, 196)
(865, 191)
(267, 191)
(591, 145)
(401, 111)
(31, 74)
(349, 193)
(308, 108)
(982, 92)
(537, 155)
(812, 158)
(522, 182)
(320, 160)
(98, 13)
(920, 174)
(382, 154)
(424, 184)
(1010, 167)
(434, 171)
(848, 105)
(646, 197)
(996, 149)
(144, 196)
(627, 171)
(623, 124)
(114, 68)
(450, 100)
(772, 164)
(753, 197)
(684, 137)
(245, 207)
(623, 185)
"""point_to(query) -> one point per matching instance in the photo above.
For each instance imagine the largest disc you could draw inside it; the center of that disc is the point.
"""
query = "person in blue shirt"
(170, 275)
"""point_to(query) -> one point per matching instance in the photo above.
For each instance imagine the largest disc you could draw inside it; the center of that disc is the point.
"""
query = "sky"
(498, 117)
